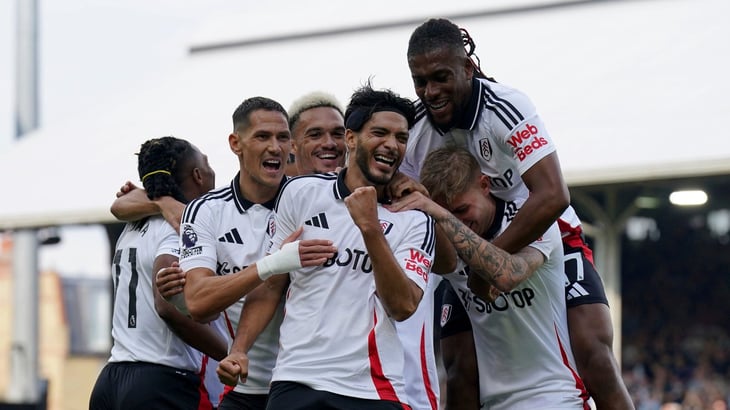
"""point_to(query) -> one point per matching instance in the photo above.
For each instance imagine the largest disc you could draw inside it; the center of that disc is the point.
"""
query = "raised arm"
(207, 294)
(398, 293)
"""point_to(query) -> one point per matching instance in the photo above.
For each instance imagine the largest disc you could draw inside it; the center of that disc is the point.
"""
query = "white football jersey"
(501, 128)
(420, 370)
(523, 347)
(139, 334)
(225, 232)
(336, 335)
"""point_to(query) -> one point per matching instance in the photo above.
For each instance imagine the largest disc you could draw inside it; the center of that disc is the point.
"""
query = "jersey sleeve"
(170, 241)
(521, 132)
(197, 237)
(415, 253)
(284, 219)
(409, 168)
(422, 139)
(550, 240)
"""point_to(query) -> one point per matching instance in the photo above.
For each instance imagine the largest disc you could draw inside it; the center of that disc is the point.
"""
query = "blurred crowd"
(676, 320)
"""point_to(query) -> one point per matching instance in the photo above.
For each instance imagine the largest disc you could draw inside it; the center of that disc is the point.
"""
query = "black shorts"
(296, 396)
(453, 318)
(583, 285)
(140, 385)
(233, 400)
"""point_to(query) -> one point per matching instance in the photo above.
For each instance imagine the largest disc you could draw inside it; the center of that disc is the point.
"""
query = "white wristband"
(284, 260)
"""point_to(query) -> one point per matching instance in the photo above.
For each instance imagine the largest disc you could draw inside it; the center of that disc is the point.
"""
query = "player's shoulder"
(310, 180)
(494, 93)
(310, 185)
(216, 196)
(421, 125)
(158, 224)
(412, 219)
(214, 199)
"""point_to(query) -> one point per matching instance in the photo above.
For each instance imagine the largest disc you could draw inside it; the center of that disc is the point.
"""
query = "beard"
(362, 159)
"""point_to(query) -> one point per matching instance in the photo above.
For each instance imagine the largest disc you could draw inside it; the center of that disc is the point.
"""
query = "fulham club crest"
(445, 314)
(271, 227)
(485, 148)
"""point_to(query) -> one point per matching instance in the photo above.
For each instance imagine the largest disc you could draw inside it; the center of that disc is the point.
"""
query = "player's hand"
(170, 281)
(126, 188)
(362, 204)
(312, 252)
(417, 200)
(402, 185)
(482, 288)
(233, 368)
(295, 255)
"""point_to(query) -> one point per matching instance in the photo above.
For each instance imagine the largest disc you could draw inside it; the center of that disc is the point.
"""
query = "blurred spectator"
(676, 320)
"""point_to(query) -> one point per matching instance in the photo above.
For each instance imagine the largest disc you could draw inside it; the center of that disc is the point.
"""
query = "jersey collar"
(498, 218)
(341, 191)
(243, 204)
(469, 118)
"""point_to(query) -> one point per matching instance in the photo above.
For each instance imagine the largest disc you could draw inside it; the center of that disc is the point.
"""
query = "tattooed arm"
(503, 270)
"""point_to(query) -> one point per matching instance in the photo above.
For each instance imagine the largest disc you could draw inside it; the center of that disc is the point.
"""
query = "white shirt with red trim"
(523, 347)
(501, 128)
(416, 335)
(336, 335)
(225, 232)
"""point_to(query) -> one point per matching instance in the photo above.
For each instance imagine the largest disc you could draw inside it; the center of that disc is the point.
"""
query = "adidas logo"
(320, 221)
(576, 290)
(231, 236)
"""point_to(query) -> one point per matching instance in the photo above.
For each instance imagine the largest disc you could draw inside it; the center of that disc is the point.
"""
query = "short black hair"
(435, 34)
(242, 114)
(366, 101)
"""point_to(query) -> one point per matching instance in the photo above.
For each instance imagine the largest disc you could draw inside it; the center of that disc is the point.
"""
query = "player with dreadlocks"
(459, 105)
(469, 48)
(156, 359)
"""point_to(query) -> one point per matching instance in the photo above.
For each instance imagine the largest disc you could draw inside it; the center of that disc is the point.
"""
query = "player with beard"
(338, 347)
(499, 125)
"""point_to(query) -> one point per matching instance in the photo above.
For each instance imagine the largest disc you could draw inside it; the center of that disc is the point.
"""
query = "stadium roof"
(629, 90)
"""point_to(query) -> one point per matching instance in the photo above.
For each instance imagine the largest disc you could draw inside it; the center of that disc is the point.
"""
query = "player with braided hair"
(161, 162)
(156, 358)
(459, 105)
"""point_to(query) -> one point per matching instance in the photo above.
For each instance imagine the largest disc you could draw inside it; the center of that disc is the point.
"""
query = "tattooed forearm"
(492, 263)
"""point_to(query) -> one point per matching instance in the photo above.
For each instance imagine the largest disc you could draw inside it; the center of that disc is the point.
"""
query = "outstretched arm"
(132, 204)
(207, 294)
(501, 269)
(444, 260)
